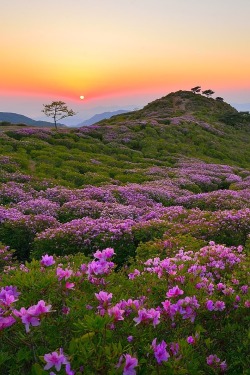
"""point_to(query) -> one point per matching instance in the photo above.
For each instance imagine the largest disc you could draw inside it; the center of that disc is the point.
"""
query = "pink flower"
(63, 274)
(174, 292)
(146, 315)
(69, 285)
(104, 254)
(247, 303)
(55, 359)
(27, 319)
(160, 351)
(39, 308)
(116, 313)
(31, 316)
(132, 275)
(103, 297)
(6, 322)
(47, 260)
(130, 364)
(219, 306)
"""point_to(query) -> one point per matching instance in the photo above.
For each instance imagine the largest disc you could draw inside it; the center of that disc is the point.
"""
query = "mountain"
(101, 116)
(15, 118)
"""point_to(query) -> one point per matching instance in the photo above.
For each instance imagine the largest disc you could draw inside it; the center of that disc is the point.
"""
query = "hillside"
(180, 125)
(132, 238)
(15, 118)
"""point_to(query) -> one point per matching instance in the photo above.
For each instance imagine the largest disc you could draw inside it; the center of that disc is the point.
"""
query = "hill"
(15, 118)
(179, 125)
(132, 238)
(101, 116)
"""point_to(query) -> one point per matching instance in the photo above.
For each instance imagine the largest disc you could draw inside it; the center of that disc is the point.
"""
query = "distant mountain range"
(15, 118)
(101, 116)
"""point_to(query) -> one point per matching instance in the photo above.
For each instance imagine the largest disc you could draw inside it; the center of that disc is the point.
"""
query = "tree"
(57, 110)
(219, 99)
(196, 89)
(208, 93)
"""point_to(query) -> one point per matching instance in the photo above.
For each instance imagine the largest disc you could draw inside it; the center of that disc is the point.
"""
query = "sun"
(81, 97)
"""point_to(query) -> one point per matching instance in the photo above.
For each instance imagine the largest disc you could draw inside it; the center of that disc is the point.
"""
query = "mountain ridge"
(101, 116)
(16, 118)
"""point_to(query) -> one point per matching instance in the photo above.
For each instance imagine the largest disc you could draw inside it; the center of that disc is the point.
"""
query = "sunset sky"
(120, 52)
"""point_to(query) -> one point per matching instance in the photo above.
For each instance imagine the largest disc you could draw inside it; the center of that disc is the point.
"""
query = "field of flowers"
(116, 260)
(149, 278)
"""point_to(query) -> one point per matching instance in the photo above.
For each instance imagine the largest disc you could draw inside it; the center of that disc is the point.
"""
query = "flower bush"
(176, 315)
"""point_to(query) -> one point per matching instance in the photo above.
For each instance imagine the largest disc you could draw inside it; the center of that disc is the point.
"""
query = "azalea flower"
(160, 351)
(55, 359)
(47, 260)
(130, 364)
(174, 292)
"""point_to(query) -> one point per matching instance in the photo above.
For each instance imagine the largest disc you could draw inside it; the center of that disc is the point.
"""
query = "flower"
(174, 292)
(55, 359)
(190, 340)
(160, 351)
(130, 364)
(210, 305)
(47, 260)
(6, 322)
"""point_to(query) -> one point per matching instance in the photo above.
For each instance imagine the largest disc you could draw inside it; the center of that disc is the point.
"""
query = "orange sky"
(121, 49)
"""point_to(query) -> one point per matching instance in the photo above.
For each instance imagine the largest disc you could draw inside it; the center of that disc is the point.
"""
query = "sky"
(120, 54)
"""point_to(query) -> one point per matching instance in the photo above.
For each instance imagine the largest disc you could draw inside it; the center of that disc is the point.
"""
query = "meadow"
(125, 245)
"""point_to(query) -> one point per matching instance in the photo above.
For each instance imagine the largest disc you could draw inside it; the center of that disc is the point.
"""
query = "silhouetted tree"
(219, 99)
(208, 93)
(58, 111)
(196, 89)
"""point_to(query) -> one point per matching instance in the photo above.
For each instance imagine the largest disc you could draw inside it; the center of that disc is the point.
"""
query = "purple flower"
(212, 359)
(210, 305)
(215, 362)
(47, 260)
(190, 340)
(130, 364)
(160, 351)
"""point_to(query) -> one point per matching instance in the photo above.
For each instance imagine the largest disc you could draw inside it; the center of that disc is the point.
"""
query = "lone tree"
(208, 93)
(196, 89)
(57, 110)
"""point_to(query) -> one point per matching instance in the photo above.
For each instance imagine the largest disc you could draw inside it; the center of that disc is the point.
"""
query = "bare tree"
(58, 111)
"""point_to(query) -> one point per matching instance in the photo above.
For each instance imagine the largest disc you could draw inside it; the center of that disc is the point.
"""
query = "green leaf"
(37, 370)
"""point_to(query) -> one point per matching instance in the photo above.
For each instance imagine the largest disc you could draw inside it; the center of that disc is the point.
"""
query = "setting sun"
(81, 97)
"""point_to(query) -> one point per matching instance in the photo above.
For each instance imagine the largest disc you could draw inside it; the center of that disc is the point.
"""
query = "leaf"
(37, 370)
